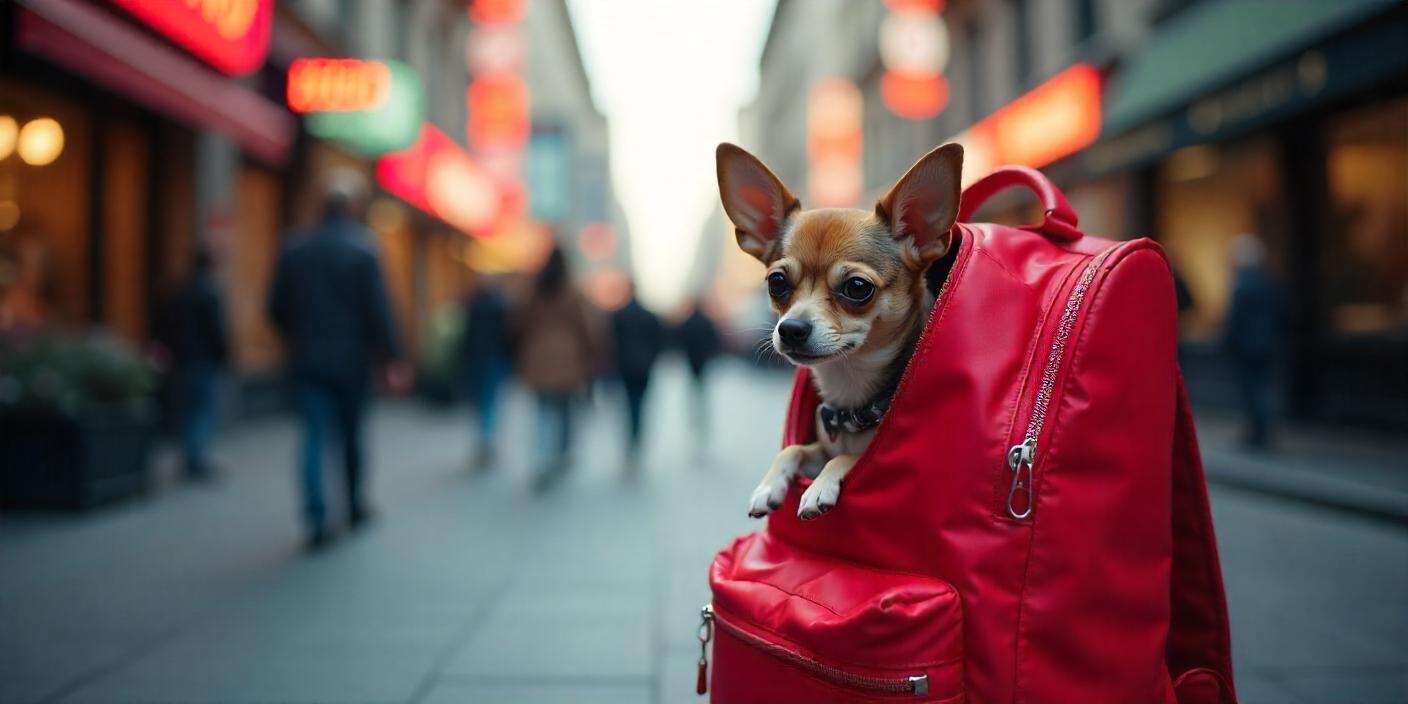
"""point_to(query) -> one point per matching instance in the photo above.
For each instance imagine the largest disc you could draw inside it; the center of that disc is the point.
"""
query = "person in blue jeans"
(330, 305)
(1254, 334)
(199, 344)
(484, 359)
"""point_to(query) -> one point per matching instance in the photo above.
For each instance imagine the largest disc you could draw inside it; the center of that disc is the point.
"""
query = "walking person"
(555, 356)
(638, 337)
(698, 338)
(1253, 335)
(484, 358)
(199, 344)
(330, 305)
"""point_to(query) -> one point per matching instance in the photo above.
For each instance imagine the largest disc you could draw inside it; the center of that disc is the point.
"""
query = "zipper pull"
(920, 685)
(706, 633)
(1019, 460)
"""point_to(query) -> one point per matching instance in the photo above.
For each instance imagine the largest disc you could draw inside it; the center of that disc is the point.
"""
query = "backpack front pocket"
(791, 626)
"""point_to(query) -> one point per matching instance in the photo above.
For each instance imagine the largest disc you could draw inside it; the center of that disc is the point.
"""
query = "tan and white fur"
(849, 291)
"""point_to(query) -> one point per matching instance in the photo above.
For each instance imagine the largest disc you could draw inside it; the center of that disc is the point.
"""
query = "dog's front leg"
(773, 489)
(825, 490)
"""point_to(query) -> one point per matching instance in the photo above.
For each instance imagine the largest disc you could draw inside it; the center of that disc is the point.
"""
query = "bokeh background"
(149, 144)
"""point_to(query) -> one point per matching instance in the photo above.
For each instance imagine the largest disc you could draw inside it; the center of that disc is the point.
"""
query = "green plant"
(68, 373)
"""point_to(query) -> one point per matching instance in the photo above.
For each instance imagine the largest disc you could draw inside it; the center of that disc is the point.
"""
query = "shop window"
(1206, 196)
(1366, 263)
(44, 215)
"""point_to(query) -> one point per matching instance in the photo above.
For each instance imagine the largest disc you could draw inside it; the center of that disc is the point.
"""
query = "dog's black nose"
(794, 331)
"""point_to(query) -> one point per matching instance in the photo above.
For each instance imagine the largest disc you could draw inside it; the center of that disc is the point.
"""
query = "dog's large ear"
(922, 206)
(754, 199)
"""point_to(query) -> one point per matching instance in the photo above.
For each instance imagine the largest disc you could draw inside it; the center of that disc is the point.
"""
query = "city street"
(469, 588)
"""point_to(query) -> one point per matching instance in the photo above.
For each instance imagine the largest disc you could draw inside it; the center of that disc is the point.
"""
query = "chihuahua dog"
(849, 290)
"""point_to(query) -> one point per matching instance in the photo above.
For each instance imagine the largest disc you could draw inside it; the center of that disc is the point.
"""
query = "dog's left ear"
(923, 205)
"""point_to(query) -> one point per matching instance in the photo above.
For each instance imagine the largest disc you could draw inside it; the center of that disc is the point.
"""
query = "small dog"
(849, 290)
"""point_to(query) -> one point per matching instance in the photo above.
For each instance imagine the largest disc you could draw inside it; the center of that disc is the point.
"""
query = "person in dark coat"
(1254, 335)
(638, 337)
(329, 303)
(698, 338)
(484, 358)
(199, 345)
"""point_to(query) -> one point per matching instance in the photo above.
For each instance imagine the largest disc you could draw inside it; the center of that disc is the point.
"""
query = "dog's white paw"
(767, 497)
(819, 498)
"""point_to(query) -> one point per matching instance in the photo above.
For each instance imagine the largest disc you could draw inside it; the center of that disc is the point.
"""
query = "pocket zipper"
(1021, 458)
(917, 685)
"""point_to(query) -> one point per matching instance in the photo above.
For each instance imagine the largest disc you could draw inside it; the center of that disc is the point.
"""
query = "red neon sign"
(914, 97)
(496, 11)
(1054, 120)
(438, 177)
(231, 35)
(337, 85)
(498, 112)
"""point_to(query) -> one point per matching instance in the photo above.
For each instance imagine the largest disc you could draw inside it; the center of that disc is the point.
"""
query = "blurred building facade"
(1216, 117)
(163, 150)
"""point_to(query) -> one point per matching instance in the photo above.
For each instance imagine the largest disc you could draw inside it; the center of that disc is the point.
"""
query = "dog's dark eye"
(857, 290)
(777, 285)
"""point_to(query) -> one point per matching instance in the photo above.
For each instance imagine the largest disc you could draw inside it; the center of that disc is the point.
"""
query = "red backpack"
(1030, 522)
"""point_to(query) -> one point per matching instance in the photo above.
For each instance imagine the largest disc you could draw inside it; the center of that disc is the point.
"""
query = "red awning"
(95, 44)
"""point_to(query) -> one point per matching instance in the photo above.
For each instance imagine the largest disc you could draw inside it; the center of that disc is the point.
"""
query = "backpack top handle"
(1059, 222)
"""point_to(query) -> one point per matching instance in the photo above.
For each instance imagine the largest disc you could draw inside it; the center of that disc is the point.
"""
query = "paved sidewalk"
(1354, 471)
(470, 589)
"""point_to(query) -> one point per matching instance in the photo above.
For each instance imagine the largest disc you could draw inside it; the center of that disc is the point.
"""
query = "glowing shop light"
(40, 141)
(9, 132)
(391, 124)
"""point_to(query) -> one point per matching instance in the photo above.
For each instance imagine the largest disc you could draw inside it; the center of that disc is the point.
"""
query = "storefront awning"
(93, 43)
(1213, 43)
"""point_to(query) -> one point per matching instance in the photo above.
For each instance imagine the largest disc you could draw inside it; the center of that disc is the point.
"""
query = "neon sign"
(393, 113)
(337, 85)
(1054, 120)
(439, 177)
(231, 35)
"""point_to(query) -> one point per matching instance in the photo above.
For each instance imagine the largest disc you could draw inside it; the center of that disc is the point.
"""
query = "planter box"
(51, 461)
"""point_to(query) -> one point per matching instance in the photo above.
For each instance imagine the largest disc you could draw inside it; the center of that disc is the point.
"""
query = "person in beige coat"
(555, 357)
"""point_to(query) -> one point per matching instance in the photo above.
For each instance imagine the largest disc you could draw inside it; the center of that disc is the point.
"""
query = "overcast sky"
(671, 76)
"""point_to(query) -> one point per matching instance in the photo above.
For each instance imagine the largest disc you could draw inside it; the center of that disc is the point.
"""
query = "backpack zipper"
(1021, 458)
(917, 685)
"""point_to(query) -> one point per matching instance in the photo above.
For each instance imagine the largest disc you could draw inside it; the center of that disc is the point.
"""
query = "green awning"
(1216, 42)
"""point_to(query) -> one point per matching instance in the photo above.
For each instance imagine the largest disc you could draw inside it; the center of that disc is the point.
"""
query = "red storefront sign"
(231, 35)
(1054, 120)
(439, 177)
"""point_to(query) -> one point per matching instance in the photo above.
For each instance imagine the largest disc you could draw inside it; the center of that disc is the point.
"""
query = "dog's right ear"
(754, 199)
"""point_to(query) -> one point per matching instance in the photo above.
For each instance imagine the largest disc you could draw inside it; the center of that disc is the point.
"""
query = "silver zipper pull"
(1019, 460)
(920, 685)
(706, 634)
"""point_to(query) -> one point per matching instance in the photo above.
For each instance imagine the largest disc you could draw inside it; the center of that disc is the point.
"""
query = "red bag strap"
(1199, 640)
(1059, 221)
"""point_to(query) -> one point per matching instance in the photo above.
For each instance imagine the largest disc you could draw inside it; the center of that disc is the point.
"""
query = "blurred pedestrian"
(638, 337)
(555, 356)
(699, 340)
(199, 346)
(484, 358)
(1254, 334)
(329, 303)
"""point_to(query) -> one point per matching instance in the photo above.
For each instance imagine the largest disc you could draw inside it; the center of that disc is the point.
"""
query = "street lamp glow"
(41, 141)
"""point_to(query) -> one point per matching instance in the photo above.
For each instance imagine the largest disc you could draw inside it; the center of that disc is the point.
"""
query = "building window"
(1086, 23)
(1021, 20)
(1366, 262)
(1206, 197)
